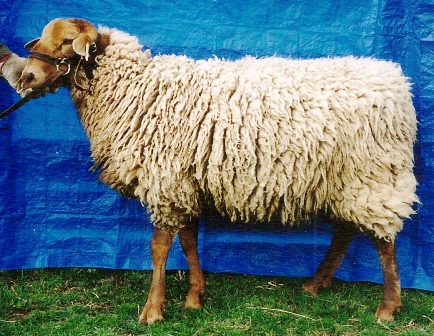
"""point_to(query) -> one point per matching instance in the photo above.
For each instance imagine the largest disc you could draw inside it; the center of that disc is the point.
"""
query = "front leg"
(161, 243)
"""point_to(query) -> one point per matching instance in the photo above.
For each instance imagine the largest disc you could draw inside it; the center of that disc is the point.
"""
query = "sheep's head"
(61, 39)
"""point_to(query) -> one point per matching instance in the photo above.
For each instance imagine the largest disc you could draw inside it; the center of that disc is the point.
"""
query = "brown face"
(61, 38)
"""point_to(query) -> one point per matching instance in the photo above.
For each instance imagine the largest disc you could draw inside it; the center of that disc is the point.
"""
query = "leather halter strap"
(50, 59)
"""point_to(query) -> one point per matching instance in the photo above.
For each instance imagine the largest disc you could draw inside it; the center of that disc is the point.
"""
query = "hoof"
(386, 312)
(310, 288)
(194, 300)
(150, 316)
(192, 304)
(313, 285)
(150, 320)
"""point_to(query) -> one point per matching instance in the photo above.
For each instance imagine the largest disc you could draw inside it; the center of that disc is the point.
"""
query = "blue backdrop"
(55, 213)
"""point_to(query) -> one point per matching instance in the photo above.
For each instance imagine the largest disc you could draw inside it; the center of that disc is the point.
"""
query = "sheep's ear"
(30, 45)
(87, 36)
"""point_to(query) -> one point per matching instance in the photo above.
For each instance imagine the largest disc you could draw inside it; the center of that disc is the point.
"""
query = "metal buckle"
(61, 61)
(94, 47)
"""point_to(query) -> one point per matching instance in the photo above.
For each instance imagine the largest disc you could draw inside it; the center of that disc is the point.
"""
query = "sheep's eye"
(67, 41)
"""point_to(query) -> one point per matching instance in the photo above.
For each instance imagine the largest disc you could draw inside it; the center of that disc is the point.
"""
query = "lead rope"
(36, 92)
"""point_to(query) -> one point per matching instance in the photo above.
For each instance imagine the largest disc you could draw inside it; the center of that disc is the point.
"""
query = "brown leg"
(153, 310)
(343, 234)
(188, 239)
(392, 287)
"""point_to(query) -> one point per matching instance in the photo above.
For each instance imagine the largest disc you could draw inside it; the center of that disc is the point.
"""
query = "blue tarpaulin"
(55, 213)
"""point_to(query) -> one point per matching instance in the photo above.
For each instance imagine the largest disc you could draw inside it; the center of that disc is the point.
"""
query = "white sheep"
(267, 139)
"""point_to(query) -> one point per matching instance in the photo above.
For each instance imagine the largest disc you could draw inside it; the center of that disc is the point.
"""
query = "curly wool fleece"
(268, 138)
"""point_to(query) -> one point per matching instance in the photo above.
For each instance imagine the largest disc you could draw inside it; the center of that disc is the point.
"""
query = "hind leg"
(343, 234)
(188, 238)
(392, 287)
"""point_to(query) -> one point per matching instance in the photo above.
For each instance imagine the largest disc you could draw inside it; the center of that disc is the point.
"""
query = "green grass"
(100, 302)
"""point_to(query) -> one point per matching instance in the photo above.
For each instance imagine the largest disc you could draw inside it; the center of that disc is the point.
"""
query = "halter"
(65, 60)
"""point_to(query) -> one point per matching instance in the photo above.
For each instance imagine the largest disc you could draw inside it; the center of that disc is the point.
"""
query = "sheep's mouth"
(29, 80)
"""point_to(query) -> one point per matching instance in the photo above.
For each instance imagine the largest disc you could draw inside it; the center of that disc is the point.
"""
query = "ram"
(268, 139)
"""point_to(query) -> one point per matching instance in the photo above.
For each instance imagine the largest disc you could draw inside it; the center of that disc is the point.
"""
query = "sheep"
(267, 139)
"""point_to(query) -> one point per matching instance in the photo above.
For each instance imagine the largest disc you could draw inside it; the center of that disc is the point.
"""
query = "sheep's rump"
(268, 138)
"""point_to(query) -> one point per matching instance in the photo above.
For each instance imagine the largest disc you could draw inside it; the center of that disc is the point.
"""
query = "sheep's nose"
(27, 77)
